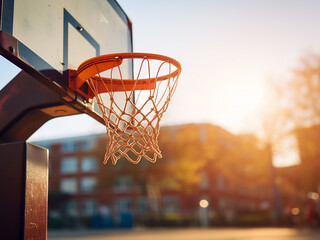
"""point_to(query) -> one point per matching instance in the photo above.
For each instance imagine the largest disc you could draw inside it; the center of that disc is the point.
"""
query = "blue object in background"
(101, 222)
(126, 220)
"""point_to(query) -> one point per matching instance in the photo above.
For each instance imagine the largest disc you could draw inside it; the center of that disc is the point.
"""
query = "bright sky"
(228, 50)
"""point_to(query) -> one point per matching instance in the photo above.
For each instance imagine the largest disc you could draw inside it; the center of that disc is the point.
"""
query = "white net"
(132, 108)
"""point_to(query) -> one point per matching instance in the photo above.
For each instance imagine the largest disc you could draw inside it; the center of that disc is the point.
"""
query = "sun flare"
(244, 99)
(240, 103)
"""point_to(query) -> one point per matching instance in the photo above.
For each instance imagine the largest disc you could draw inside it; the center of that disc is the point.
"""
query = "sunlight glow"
(286, 152)
(240, 102)
(244, 99)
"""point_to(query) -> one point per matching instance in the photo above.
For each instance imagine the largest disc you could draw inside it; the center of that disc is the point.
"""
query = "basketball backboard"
(45, 38)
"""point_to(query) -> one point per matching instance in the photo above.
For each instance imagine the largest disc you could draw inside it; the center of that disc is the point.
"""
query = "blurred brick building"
(233, 177)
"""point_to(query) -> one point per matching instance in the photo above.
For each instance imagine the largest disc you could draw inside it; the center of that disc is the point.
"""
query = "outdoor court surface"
(191, 234)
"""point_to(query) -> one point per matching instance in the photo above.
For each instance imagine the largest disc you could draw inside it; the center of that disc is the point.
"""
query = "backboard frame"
(23, 57)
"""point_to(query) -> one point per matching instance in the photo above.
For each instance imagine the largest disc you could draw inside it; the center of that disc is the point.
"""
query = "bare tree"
(304, 92)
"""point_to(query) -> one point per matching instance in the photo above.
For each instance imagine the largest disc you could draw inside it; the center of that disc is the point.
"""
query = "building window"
(89, 164)
(69, 165)
(204, 184)
(70, 208)
(68, 185)
(142, 205)
(88, 207)
(222, 203)
(124, 204)
(170, 204)
(88, 184)
(88, 144)
(123, 184)
(220, 182)
(69, 146)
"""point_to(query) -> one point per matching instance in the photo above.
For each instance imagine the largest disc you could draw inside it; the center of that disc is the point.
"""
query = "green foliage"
(185, 152)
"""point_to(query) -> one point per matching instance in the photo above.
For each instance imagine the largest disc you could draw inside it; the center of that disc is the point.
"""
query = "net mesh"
(132, 108)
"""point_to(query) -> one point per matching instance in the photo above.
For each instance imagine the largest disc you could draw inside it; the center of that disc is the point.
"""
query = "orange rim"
(96, 65)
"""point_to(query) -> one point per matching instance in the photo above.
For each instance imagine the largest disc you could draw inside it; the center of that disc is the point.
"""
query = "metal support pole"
(23, 191)
(25, 105)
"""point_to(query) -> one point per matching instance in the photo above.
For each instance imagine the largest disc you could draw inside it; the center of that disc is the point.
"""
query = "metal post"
(23, 191)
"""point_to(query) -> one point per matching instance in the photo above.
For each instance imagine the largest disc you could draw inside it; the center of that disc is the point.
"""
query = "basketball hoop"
(132, 107)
